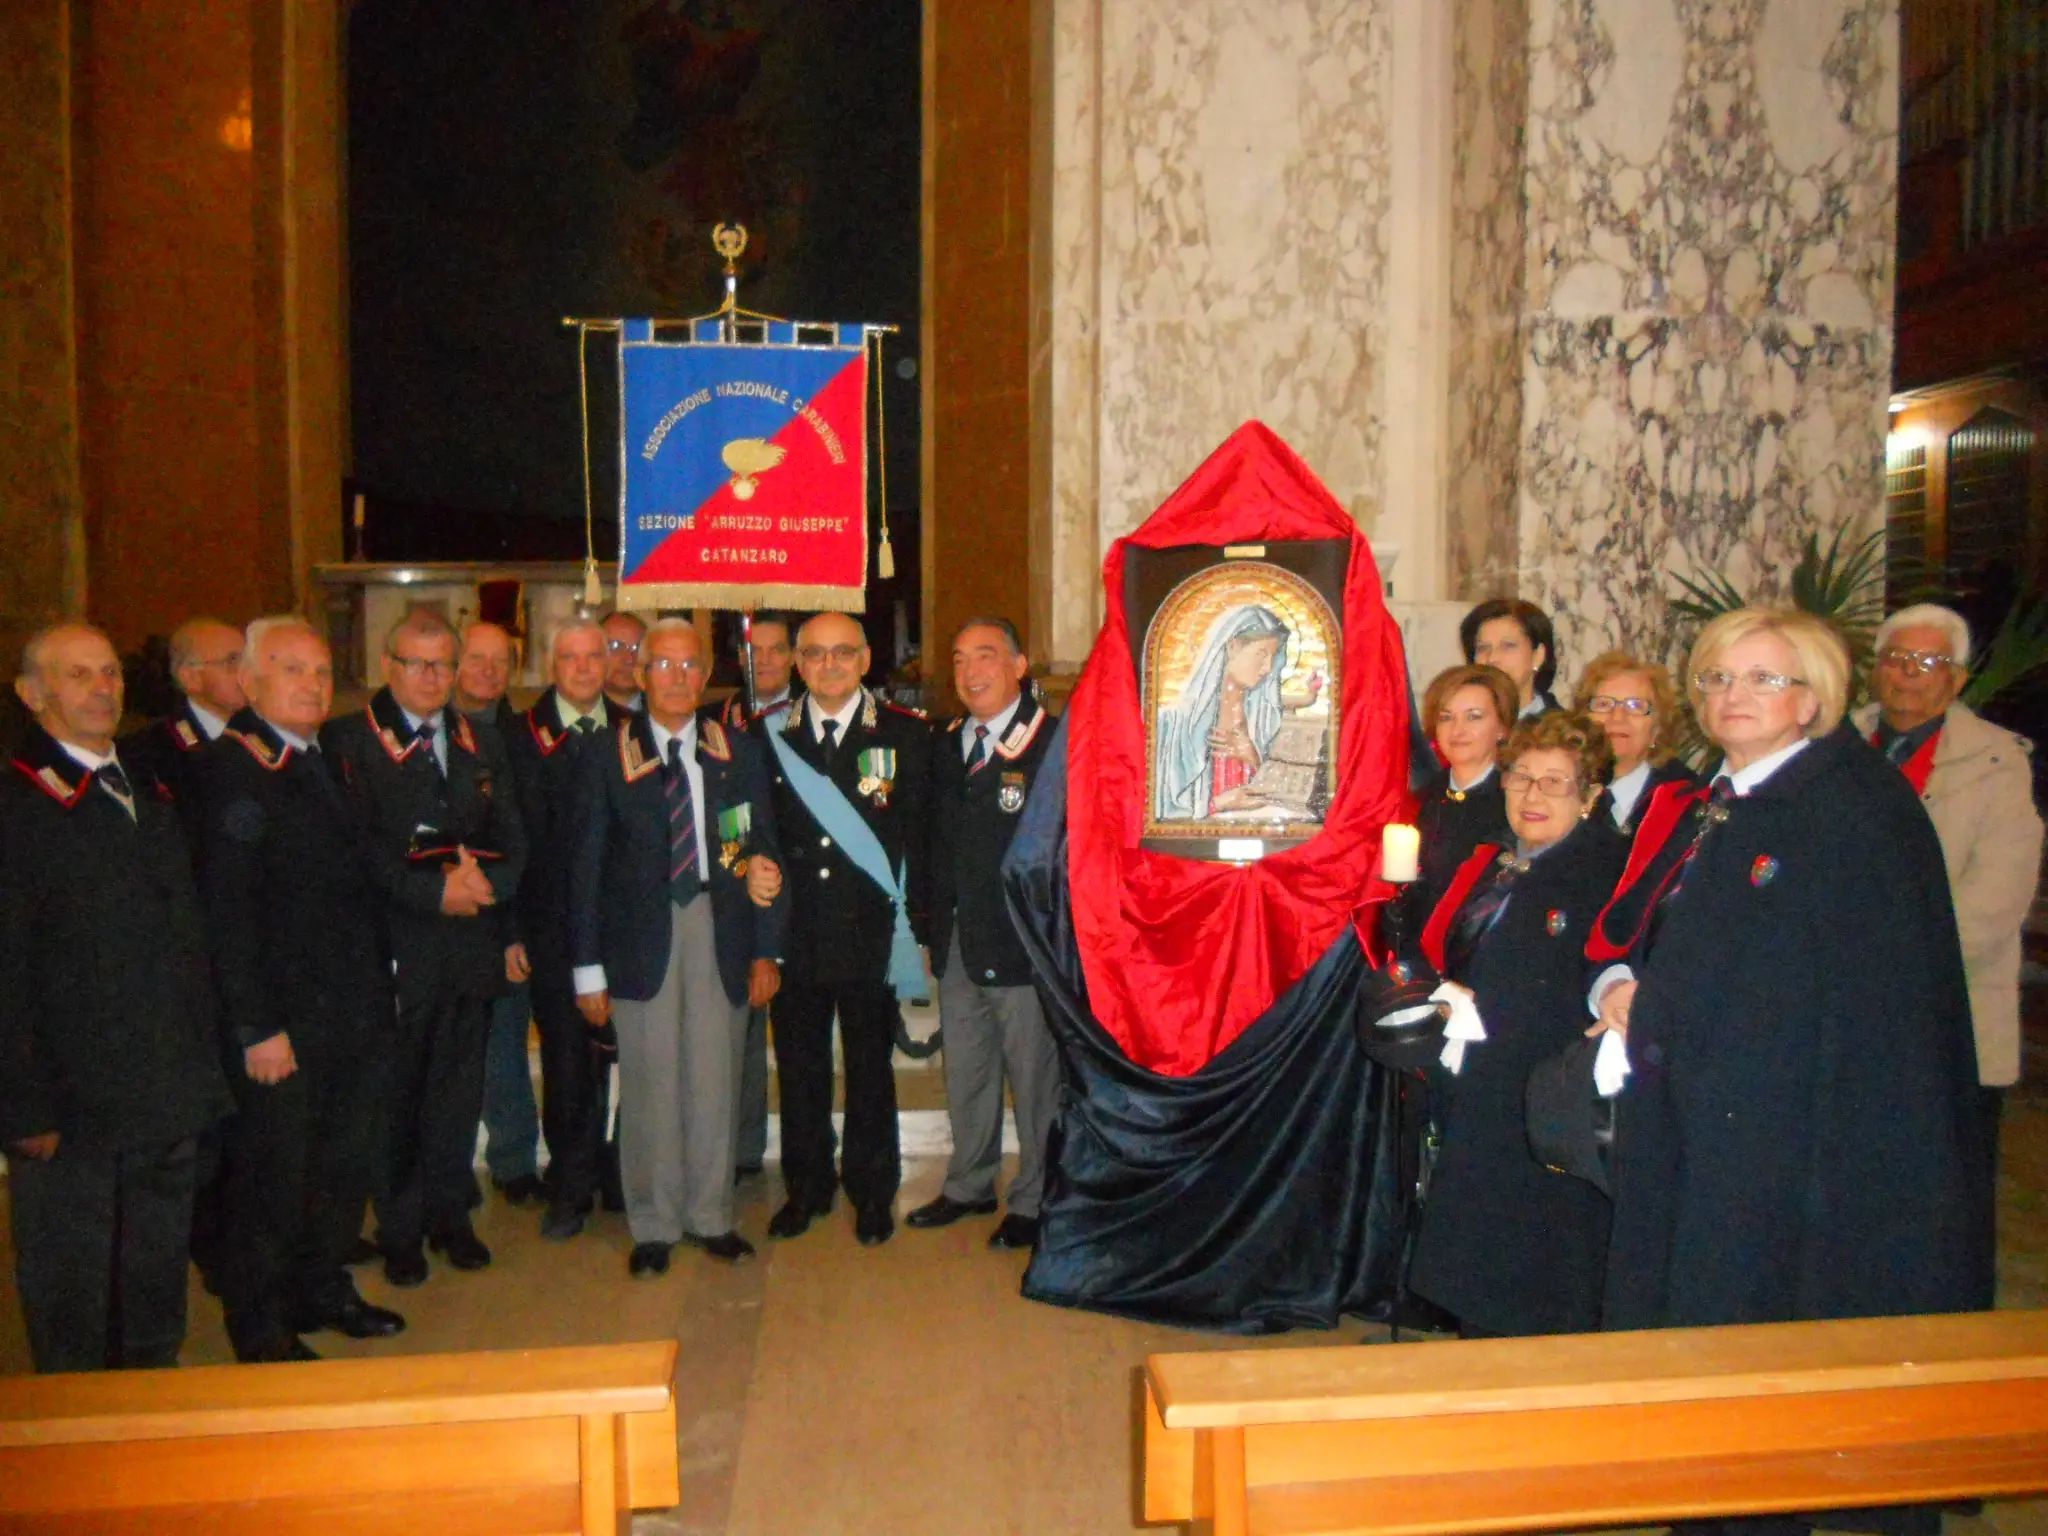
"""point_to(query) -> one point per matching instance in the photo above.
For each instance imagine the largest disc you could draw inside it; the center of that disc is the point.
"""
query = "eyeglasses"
(845, 655)
(232, 659)
(1607, 704)
(670, 666)
(1718, 680)
(421, 666)
(1922, 662)
(1555, 785)
(623, 647)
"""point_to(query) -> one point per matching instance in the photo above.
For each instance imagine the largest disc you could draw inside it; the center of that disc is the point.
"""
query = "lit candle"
(1400, 850)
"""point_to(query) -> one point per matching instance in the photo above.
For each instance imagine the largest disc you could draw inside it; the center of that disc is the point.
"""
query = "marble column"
(1216, 251)
(1707, 324)
(42, 565)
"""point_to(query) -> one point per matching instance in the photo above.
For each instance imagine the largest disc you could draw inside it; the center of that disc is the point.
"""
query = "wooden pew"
(1605, 1429)
(510, 1443)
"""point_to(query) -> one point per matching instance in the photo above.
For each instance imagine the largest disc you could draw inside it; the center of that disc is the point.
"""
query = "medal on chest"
(735, 824)
(877, 774)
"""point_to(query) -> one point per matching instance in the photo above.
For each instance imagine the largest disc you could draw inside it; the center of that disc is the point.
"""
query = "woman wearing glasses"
(1794, 1133)
(1634, 703)
(1507, 1245)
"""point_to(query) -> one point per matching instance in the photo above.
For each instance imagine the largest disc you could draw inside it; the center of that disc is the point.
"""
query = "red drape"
(1180, 956)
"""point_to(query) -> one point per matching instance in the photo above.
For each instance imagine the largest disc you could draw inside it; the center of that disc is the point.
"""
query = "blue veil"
(1181, 776)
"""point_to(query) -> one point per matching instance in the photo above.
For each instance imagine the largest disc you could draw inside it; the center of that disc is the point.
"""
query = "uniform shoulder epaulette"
(261, 750)
(460, 731)
(712, 737)
(905, 709)
(953, 725)
(52, 783)
(187, 738)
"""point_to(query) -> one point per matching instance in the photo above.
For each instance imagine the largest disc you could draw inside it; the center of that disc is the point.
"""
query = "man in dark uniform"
(483, 672)
(670, 812)
(446, 844)
(850, 801)
(623, 632)
(545, 744)
(296, 926)
(109, 1062)
(776, 691)
(982, 769)
(206, 656)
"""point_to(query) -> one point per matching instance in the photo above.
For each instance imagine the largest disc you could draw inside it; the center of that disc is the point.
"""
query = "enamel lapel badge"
(1011, 795)
(1763, 871)
(1557, 921)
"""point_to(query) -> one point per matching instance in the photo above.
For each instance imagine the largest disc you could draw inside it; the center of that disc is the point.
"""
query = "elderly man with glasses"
(447, 845)
(205, 659)
(1977, 784)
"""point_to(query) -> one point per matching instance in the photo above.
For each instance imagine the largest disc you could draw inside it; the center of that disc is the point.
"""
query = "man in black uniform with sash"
(981, 776)
(446, 844)
(108, 1059)
(296, 925)
(850, 803)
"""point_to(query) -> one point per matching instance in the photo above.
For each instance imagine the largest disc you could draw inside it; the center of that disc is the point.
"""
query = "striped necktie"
(978, 758)
(683, 881)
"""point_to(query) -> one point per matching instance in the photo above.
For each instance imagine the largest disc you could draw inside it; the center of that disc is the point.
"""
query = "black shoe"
(352, 1316)
(648, 1259)
(364, 1252)
(873, 1225)
(561, 1223)
(525, 1190)
(729, 1246)
(462, 1247)
(793, 1220)
(945, 1210)
(1015, 1232)
(276, 1352)
(405, 1267)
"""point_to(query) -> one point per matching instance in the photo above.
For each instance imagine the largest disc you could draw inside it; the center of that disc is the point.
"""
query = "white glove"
(1463, 1025)
(1610, 1065)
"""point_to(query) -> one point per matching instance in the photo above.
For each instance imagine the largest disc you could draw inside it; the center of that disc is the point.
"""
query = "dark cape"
(1506, 1243)
(1233, 1198)
(1797, 1138)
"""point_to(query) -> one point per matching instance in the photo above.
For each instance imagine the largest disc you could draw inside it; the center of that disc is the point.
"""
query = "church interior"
(1562, 299)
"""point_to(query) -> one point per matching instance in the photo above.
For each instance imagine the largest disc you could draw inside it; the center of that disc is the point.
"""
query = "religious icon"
(1241, 695)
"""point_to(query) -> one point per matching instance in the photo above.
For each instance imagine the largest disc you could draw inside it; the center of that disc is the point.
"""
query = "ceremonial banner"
(743, 467)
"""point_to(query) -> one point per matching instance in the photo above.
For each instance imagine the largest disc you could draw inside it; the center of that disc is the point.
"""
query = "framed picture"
(1240, 654)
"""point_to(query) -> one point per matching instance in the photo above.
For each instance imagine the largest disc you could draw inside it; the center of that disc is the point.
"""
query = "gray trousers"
(991, 1032)
(679, 1086)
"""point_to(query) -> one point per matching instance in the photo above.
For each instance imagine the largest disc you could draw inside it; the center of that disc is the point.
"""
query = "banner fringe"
(741, 595)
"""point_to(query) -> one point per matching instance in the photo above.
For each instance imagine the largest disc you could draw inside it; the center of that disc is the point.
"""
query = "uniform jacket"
(619, 875)
(974, 816)
(1449, 830)
(734, 711)
(1981, 798)
(1800, 1136)
(107, 1017)
(293, 911)
(406, 806)
(544, 754)
(1670, 771)
(1507, 1243)
(167, 752)
(841, 924)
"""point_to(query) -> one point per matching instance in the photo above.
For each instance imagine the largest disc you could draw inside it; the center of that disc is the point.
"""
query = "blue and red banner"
(743, 469)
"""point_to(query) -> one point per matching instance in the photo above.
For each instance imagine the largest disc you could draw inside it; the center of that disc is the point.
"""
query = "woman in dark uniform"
(1469, 712)
(1634, 702)
(1507, 1245)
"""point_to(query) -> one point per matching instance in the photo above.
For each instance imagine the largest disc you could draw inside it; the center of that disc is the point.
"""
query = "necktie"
(831, 742)
(977, 759)
(683, 883)
(587, 724)
(112, 776)
(1482, 909)
(1899, 748)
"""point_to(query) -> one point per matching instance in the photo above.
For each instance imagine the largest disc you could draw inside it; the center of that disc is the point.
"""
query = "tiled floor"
(827, 1388)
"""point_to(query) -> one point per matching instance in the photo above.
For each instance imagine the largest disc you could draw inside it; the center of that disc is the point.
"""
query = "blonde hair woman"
(1795, 1135)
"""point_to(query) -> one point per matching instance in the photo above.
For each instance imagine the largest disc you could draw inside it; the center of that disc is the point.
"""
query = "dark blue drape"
(1238, 1199)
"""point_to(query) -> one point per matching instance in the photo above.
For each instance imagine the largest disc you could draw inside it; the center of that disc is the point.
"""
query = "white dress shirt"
(1465, 789)
(591, 978)
(996, 725)
(93, 762)
(437, 737)
(209, 722)
(843, 715)
(1625, 791)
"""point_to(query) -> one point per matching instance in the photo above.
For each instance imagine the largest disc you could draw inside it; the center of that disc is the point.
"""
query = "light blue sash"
(831, 809)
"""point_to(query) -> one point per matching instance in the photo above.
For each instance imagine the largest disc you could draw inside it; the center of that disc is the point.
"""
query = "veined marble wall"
(1217, 252)
(1709, 294)
(1490, 83)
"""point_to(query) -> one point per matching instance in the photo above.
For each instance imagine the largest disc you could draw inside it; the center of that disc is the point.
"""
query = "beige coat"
(1981, 798)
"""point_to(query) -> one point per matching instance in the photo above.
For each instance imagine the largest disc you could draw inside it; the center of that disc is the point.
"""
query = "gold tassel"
(885, 560)
(593, 589)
